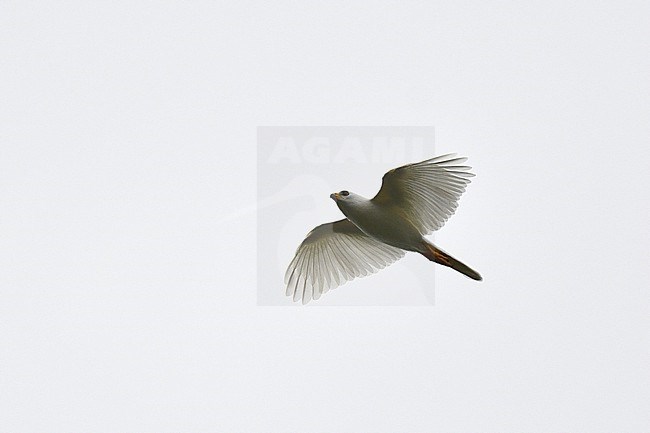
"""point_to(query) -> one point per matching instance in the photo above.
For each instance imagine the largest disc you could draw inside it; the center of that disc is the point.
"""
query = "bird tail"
(439, 256)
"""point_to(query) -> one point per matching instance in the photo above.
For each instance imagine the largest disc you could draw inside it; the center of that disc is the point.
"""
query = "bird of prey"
(414, 201)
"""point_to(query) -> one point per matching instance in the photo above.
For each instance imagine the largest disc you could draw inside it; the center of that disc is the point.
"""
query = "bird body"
(387, 225)
(414, 200)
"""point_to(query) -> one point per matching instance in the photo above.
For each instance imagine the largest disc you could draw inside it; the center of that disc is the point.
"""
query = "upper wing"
(427, 192)
(332, 254)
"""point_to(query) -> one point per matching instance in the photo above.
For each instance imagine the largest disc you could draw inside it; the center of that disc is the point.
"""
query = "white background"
(127, 290)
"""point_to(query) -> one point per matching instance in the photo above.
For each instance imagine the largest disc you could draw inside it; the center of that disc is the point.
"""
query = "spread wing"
(332, 254)
(427, 192)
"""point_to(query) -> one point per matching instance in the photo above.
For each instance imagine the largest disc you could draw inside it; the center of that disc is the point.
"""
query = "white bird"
(414, 201)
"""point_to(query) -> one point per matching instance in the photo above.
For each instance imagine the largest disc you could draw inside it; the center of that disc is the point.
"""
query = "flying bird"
(414, 201)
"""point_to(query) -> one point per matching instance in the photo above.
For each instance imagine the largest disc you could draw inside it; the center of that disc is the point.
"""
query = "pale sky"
(128, 181)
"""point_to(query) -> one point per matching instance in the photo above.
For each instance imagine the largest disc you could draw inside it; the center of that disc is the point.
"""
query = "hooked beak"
(334, 196)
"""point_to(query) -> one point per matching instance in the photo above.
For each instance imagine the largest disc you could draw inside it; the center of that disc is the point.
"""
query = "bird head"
(346, 199)
(341, 195)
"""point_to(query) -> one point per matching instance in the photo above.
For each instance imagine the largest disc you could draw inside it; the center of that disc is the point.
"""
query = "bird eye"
(345, 193)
